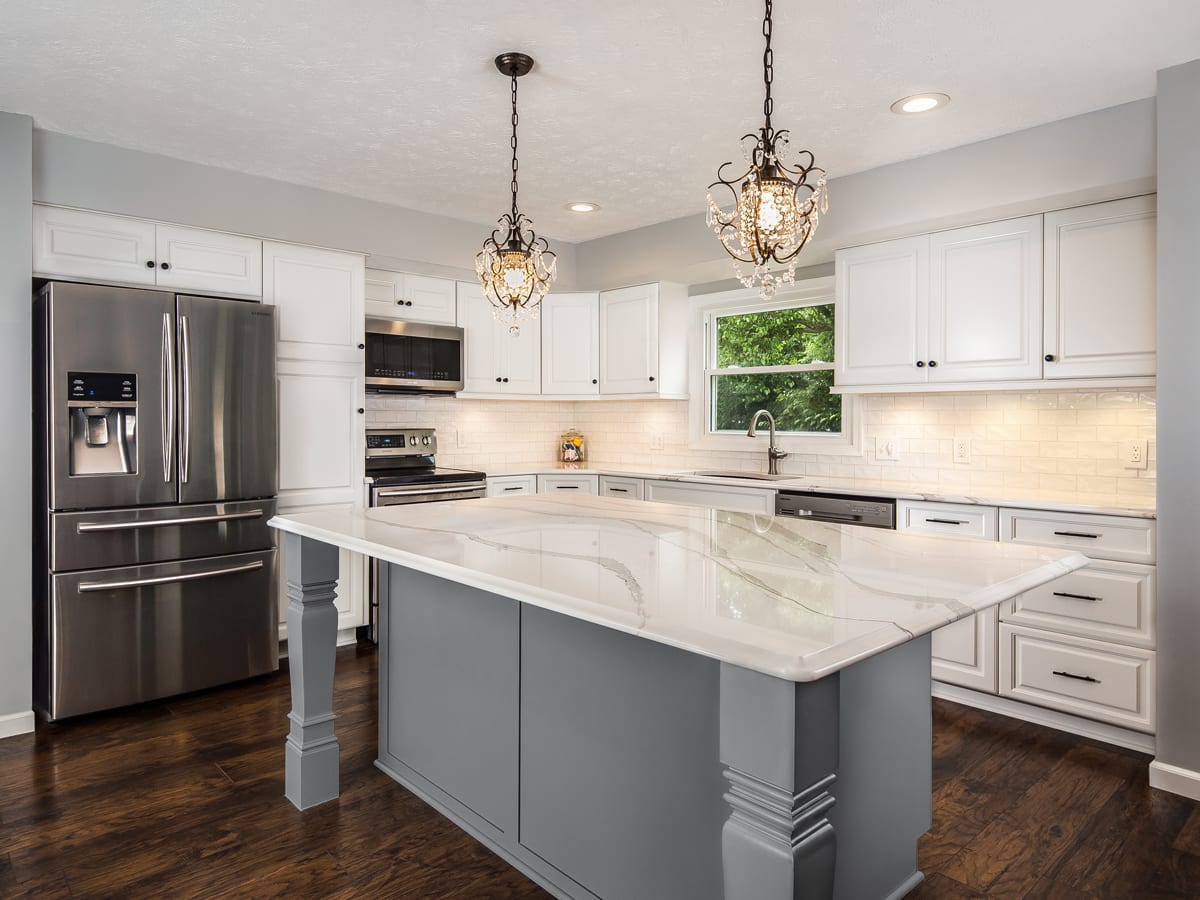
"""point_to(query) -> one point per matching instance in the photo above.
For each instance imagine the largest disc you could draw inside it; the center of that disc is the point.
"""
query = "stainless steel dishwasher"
(842, 509)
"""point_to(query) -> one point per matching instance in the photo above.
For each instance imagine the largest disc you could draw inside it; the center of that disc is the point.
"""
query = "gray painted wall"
(1098, 156)
(74, 172)
(1178, 416)
(16, 483)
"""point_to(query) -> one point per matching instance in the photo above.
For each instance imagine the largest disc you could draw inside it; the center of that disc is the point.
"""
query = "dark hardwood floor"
(185, 799)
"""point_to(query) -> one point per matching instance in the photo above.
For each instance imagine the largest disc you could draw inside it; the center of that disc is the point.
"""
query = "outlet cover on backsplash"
(887, 448)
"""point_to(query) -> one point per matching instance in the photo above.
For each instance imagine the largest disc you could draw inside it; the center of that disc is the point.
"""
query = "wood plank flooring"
(184, 798)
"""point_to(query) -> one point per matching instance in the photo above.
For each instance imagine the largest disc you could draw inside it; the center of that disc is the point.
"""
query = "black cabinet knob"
(1049, 357)
(164, 266)
(361, 410)
(149, 264)
(362, 346)
(651, 377)
(408, 303)
(920, 363)
(595, 381)
(497, 379)
(506, 381)
(933, 364)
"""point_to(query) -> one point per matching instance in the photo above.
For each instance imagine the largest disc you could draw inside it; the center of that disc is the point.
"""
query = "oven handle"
(409, 492)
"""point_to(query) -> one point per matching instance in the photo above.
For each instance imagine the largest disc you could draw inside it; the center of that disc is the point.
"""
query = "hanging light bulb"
(775, 206)
(515, 266)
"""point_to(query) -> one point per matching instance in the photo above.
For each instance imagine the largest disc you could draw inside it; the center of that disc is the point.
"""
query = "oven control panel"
(383, 442)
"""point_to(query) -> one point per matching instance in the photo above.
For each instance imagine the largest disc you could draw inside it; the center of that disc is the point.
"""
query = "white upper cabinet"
(643, 347)
(881, 313)
(320, 434)
(1101, 283)
(571, 344)
(496, 361)
(78, 244)
(417, 298)
(985, 302)
(211, 262)
(320, 298)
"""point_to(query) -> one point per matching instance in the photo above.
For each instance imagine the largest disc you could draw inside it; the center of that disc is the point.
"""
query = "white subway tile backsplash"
(1060, 441)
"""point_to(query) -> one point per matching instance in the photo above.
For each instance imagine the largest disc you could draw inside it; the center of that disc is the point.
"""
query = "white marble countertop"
(791, 598)
(899, 490)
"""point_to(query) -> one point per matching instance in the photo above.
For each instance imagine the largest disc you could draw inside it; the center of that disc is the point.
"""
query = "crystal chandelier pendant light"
(515, 266)
(772, 208)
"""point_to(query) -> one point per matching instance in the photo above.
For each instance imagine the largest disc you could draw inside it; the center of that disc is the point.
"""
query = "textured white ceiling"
(634, 103)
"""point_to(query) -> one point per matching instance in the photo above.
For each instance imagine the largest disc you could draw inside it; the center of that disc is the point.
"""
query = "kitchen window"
(777, 355)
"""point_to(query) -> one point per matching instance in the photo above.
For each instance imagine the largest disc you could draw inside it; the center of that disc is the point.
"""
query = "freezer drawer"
(122, 636)
(130, 537)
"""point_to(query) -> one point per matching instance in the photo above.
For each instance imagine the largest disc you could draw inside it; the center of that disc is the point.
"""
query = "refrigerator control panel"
(101, 388)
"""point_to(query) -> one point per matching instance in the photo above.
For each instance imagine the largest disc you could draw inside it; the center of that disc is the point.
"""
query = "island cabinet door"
(449, 686)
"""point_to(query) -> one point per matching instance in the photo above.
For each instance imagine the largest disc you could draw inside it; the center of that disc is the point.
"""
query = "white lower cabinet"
(511, 485)
(964, 652)
(624, 488)
(568, 484)
(715, 496)
(1094, 679)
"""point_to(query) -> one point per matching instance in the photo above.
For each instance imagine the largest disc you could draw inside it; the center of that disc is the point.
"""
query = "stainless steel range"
(402, 468)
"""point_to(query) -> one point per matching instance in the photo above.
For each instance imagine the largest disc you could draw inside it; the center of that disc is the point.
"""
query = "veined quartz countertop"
(900, 490)
(791, 598)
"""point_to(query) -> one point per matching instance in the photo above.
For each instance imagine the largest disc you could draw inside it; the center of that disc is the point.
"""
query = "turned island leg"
(311, 750)
(779, 752)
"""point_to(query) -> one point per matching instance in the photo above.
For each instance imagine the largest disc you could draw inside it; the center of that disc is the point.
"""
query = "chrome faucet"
(774, 454)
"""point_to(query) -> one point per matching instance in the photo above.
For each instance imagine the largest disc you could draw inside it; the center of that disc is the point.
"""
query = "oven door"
(401, 495)
(413, 357)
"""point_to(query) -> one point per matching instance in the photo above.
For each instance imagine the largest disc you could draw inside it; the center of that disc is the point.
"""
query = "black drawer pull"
(1081, 534)
(566, 487)
(515, 487)
(947, 522)
(1088, 678)
(1077, 596)
(616, 490)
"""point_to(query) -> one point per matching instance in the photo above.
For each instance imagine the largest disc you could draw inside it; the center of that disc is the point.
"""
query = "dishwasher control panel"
(873, 512)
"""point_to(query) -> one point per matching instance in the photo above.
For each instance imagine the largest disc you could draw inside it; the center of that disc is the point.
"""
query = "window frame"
(705, 309)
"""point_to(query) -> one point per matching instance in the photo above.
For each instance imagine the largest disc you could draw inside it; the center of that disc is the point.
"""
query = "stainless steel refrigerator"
(155, 455)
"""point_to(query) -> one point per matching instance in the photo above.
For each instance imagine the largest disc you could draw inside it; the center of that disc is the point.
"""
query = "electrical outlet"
(1137, 454)
(962, 450)
(658, 441)
(886, 448)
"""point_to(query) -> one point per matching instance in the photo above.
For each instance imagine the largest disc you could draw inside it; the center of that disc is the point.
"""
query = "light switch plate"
(887, 448)
(657, 441)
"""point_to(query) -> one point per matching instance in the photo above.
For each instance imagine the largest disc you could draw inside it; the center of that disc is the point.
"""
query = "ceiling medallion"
(776, 204)
(515, 266)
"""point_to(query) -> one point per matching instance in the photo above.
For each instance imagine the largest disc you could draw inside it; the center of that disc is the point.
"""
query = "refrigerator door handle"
(185, 411)
(91, 527)
(86, 587)
(168, 398)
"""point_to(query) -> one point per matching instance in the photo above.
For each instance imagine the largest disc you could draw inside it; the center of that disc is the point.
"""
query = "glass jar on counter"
(571, 447)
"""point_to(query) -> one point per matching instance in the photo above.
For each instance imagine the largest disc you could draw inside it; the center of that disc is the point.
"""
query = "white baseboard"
(1098, 731)
(16, 723)
(1177, 780)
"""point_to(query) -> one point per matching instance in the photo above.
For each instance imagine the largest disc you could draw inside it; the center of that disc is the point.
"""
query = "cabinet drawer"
(947, 519)
(567, 484)
(1111, 601)
(511, 485)
(1100, 537)
(629, 488)
(1089, 678)
(965, 652)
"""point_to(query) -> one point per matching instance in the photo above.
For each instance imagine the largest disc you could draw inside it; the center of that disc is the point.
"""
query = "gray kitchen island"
(637, 700)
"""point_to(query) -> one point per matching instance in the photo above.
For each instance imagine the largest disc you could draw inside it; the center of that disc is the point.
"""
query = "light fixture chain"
(513, 143)
(768, 67)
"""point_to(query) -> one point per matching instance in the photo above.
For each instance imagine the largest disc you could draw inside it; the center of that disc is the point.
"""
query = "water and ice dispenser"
(102, 408)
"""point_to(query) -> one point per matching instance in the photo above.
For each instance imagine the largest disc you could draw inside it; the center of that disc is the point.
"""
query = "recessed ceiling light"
(583, 206)
(919, 103)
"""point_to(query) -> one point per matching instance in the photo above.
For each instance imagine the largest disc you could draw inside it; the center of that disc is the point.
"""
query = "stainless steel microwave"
(413, 357)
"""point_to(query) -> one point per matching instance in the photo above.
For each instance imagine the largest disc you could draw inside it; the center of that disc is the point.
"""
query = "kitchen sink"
(749, 476)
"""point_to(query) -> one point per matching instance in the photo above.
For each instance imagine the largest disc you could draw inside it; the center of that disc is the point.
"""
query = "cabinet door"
(881, 316)
(1100, 282)
(713, 496)
(428, 299)
(482, 361)
(571, 344)
(629, 340)
(92, 246)
(985, 302)
(568, 484)
(623, 488)
(320, 298)
(382, 292)
(511, 485)
(320, 433)
(521, 356)
(965, 652)
(193, 259)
